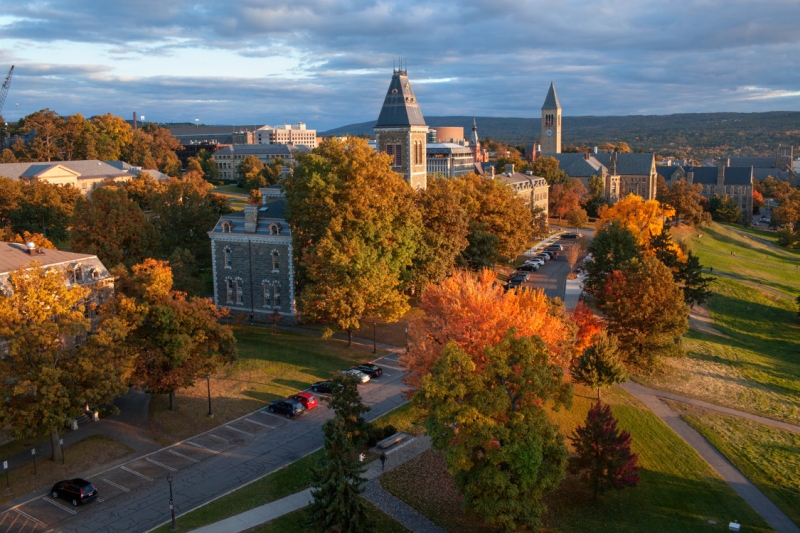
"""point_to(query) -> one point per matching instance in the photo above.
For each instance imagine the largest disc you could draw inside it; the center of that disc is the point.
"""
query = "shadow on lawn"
(743, 244)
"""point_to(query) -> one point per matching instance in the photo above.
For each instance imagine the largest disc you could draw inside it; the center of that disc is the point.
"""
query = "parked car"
(306, 399)
(360, 376)
(512, 285)
(288, 407)
(520, 275)
(373, 371)
(544, 256)
(535, 261)
(554, 247)
(322, 386)
(529, 267)
(570, 236)
(552, 251)
(75, 490)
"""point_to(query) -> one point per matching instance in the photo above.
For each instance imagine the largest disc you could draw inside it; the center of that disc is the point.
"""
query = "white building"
(229, 158)
(296, 134)
(449, 159)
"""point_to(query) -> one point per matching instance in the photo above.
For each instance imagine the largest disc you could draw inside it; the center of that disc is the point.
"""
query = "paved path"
(749, 492)
(373, 492)
(636, 389)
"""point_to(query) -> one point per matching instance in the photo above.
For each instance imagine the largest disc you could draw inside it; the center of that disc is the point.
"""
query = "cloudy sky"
(329, 62)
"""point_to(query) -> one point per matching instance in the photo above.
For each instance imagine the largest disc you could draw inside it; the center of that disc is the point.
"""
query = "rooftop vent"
(32, 249)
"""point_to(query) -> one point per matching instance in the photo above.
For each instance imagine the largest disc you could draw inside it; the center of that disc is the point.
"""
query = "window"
(227, 257)
(398, 155)
(229, 290)
(266, 287)
(274, 228)
(226, 226)
(239, 293)
(78, 274)
(389, 149)
(276, 294)
(275, 264)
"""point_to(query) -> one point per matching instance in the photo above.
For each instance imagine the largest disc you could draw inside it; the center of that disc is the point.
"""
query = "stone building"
(779, 167)
(83, 175)
(583, 167)
(252, 265)
(229, 157)
(531, 189)
(401, 131)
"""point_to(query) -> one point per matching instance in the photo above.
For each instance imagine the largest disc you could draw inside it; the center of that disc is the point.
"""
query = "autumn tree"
(604, 452)
(565, 198)
(541, 225)
(490, 422)
(45, 377)
(645, 310)
(599, 366)
(7, 156)
(249, 173)
(643, 218)
(474, 312)
(44, 208)
(113, 134)
(208, 165)
(788, 211)
(684, 198)
(547, 168)
(143, 188)
(193, 165)
(110, 225)
(47, 127)
(576, 251)
(758, 202)
(356, 229)
(176, 338)
(6, 235)
(153, 147)
(9, 199)
(577, 218)
(589, 326)
(613, 247)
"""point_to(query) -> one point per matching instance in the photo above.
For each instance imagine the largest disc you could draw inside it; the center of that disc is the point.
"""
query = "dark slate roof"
(703, 175)
(258, 149)
(551, 102)
(763, 173)
(667, 171)
(578, 166)
(757, 162)
(271, 211)
(634, 164)
(400, 108)
(738, 175)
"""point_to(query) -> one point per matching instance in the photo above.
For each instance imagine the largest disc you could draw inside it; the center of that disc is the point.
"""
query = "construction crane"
(4, 88)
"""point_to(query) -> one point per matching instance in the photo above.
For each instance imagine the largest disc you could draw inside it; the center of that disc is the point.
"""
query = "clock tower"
(551, 123)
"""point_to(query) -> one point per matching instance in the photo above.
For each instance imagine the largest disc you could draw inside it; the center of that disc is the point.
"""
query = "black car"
(321, 386)
(373, 371)
(570, 236)
(528, 268)
(290, 408)
(75, 490)
(522, 277)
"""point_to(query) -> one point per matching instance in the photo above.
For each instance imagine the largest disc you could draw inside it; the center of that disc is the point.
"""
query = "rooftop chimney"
(250, 218)
(31, 248)
(509, 168)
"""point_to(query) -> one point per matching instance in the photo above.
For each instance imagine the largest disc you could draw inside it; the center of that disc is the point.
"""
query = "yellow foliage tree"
(644, 218)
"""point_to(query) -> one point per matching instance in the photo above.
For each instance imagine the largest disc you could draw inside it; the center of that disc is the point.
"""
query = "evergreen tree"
(725, 209)
(337, 486)
(346, 403)
(666, 251)
(695, 284)
(604, 452)
(599, 366)
(613, 247)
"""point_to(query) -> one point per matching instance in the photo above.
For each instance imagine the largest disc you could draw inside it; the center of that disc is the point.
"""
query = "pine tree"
(600, 366)
(348, 407)
(337, 485)
(604, 452)
(695, 284)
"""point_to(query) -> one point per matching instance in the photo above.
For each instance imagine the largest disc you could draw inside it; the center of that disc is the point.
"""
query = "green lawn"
(769, 457)
(678, 490)
(231, 190)
(281, 483)
(293, 523)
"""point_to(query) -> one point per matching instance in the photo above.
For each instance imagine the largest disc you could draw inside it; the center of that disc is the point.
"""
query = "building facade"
(551, 123)
(83, 175)
(252, 262)
(401, 131)
(532, 190)
(296, 134)
(229, 157)
(449, 160)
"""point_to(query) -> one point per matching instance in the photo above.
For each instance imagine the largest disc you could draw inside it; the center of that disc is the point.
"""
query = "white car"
(536, 261)
(359, 375)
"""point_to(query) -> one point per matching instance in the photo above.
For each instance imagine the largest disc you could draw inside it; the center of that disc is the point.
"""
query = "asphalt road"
(134, 497)
(552, 277)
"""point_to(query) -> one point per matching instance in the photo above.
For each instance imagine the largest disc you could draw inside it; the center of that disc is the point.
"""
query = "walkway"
(749, 492)
(373, 492)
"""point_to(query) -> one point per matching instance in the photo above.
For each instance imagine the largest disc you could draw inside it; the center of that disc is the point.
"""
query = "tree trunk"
(172, 400)
(598, 394)
(349, 337)
(55, 444)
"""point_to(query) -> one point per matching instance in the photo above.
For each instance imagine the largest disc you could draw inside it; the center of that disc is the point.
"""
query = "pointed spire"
(551, 102)
(400, 107)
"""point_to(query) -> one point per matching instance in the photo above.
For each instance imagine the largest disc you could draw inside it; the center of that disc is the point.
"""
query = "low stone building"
(531, 189)
(83, 175)
(229, 157)
(252, 262)
(583, 167)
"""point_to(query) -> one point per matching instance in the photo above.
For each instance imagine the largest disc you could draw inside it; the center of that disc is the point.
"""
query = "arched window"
(78, 274)
(227, 257)
(275, 228)
(267, 288)
(239, 292)
(228, 290)
(275, 264)
(276, 294)
(227, 226)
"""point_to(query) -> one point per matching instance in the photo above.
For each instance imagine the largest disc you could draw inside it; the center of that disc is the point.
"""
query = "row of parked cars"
(551, 251)
(299, 403)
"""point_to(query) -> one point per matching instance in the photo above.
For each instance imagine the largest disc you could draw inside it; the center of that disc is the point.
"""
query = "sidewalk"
(383, 500)
(572, 291)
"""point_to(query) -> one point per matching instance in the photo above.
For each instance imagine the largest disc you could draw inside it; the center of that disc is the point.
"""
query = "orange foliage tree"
(645, 219)
(475, 313)
(589, 326)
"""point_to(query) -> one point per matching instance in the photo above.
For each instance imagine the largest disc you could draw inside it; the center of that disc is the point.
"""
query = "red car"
(307, 399)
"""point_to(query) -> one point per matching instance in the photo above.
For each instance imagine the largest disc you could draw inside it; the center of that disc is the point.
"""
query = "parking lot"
(227, 449)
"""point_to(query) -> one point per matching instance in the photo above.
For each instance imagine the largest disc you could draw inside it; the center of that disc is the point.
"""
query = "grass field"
(271, 364)
(229, 190)
(678, 490)
(769, 457)
(293, 523)
(752, 365)
(281, 483)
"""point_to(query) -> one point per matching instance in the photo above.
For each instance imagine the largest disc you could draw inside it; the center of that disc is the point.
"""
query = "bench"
(391, 441)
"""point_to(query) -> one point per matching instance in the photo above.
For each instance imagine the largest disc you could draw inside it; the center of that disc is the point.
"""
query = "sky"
(328, 63)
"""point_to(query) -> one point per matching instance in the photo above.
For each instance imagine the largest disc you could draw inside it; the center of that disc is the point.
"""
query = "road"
(552, 277)
(134, 497)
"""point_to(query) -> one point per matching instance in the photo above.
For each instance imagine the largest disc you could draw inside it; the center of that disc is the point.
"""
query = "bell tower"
(551, 123)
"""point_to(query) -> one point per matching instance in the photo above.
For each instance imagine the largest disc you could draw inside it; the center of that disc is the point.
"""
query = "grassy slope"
(293, 523)
(678, 490)
(769, 457)
(754, 366)
(271, 365)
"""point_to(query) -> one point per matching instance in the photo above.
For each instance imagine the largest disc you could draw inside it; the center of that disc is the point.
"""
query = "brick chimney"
(250, 218)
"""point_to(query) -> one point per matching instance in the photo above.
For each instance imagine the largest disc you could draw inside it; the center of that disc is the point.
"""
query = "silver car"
(359, 375)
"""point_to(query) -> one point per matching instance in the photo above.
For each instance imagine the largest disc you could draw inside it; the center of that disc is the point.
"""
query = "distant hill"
(691, 134)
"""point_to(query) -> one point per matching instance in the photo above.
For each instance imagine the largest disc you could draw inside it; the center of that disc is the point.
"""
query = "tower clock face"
(549, 133)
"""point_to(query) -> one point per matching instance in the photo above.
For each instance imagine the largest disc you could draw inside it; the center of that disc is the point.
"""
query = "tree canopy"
(643, 218)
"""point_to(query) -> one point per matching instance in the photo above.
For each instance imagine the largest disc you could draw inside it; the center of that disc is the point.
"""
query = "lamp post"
(174, 526)
(208, 382)
(374, 338)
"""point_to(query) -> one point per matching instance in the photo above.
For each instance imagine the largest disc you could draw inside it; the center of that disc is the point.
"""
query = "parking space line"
(101, 500)
(161, 464)
(135, 473)
(258, 423)
(120, 487)
(179, 454)
(5, 515)
(29, 517)
(218, 438)
(238, 430)
(67, 509)
(393, 367)
(201, 446)
(263, 412)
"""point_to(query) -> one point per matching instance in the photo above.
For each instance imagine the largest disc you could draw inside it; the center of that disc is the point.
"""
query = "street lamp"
(208, 382)
(171, 504)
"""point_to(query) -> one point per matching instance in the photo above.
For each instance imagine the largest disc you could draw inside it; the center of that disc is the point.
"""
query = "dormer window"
(274, 228)
(227, 226)
(78, 274)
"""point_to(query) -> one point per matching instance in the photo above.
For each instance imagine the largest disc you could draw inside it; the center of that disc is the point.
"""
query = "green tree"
(604, 452)
(113, 227)
(45, 208)
(725, 209)
(336, 486)
(599, 365)
(577, 218)
(46, 378)
(613, 247)
(176, 338)
(541, 226)
(185, 274)
(345, 401)
(596, 197)
(547, 168)
(481, 252)
(695, 285)
(645, 310)
(209, 165)
(250, 173)
(356, 225)
(500, 447)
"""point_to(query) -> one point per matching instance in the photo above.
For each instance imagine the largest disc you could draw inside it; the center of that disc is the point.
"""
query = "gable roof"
(757, 162)
(578, 165)
(551, 101)
(83, 169)
(667, 171)
(732, 175)
(14, 256)
(628, 164)
(400, 107)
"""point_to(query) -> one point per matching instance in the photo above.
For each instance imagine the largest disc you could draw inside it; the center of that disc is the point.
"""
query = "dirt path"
(700, 320)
